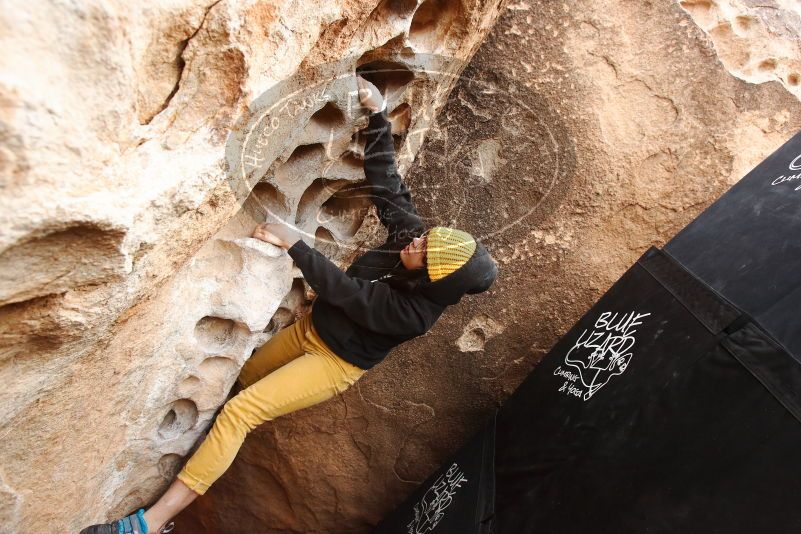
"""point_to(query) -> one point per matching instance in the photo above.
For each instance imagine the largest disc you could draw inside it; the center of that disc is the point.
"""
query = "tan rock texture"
(130, 292)
(580, 134)
(756, 40)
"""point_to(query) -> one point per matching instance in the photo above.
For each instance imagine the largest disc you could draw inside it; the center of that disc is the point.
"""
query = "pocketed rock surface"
(579, 134)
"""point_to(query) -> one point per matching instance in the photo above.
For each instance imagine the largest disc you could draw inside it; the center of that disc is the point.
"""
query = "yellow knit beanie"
(447, 249)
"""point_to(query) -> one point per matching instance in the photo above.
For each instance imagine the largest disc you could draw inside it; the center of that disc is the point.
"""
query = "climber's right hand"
(280, 235)
(369, 95)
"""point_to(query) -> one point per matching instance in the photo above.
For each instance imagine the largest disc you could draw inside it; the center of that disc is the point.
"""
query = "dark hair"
(408, 280)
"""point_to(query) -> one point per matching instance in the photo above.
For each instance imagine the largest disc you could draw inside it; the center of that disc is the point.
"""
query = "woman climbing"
(389, 295)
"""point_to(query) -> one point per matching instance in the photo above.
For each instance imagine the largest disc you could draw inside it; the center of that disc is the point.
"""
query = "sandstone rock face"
(580, 134)
(756, 41)
(131, 293)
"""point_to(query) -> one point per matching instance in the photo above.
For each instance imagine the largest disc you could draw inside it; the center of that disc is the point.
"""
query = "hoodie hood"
(475, 276)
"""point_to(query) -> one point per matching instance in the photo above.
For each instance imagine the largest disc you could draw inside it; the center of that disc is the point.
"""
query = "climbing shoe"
(132, 524)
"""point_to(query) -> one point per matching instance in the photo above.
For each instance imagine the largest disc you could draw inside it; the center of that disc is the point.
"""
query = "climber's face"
(413, 255)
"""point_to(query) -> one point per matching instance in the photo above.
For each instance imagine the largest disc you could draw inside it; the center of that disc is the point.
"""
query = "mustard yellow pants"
(293, 370)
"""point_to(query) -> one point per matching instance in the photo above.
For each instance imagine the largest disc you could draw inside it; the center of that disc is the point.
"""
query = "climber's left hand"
(280, 235)
(369, 95)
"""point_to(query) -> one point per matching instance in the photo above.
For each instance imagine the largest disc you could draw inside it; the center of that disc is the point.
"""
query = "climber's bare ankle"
(154, 522)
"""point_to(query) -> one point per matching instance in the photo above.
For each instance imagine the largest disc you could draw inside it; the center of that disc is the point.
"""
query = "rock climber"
(390, 294)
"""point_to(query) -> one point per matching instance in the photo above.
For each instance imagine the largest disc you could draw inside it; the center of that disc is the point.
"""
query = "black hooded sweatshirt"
(360, 317)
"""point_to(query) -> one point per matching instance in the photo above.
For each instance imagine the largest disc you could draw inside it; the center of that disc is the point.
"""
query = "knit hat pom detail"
(447, 249)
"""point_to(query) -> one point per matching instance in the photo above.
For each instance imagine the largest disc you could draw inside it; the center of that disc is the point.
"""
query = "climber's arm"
(390, 195)
(375, 306)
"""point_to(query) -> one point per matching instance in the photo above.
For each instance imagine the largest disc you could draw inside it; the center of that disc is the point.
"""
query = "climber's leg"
(309, 379)
(316, 375)
(177, 497)
(283, 347)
